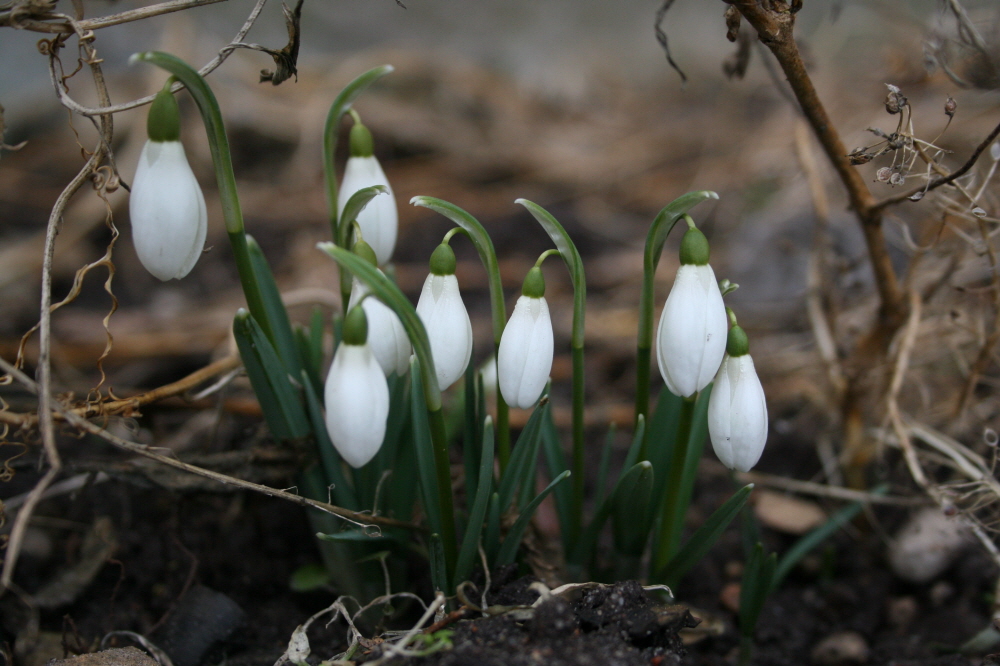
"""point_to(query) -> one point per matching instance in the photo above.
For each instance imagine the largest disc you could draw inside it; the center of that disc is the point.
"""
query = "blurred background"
(569, 103)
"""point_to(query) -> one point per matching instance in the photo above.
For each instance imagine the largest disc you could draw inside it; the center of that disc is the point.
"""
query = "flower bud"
(379, 220)
(166, 206)
(356, 395)
(443, 313)
(737, 410)
(691, 339)
(524, 359)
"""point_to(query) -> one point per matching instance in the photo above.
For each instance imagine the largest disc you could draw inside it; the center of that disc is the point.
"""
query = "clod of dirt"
(609, 626)
(844, 648)
(127, 656)
(927, 545)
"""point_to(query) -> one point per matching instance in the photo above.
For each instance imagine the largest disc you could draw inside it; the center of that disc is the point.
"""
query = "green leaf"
(343, 492)
(704, 538)
(353, 208)
(491, 540)
(470, 542)
(605, 463)
(631, 506)
(814, 538)
(309, 578)
(661, 436)
(283, 409)
(632, 457)
(281, 327)
(520, 470)
(513, 538)
(340, 106)
(352, 535)
(439, 575)
(555, 461)
(471, 439)
(311, 370)
(757, 582)
(426, 470)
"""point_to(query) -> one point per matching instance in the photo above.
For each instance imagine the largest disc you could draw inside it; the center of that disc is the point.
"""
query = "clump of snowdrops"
(376, 416)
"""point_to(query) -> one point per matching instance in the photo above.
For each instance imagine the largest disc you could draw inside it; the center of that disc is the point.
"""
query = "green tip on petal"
(534, 284)
(737, 344)
(362, 144)
(443, 260)
(356, 327)
(694, 248)
(164, 120)
(365, 251)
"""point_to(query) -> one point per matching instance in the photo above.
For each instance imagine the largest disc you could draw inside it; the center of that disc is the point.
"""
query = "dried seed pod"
(894, 100)
(733, 18)
(950, 106)
(883, 174)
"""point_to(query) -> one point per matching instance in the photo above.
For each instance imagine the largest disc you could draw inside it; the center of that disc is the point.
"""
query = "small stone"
(927, 545)
(787, 514)
(729, 597)
(127, 656)
(900, 612)
(843, 648)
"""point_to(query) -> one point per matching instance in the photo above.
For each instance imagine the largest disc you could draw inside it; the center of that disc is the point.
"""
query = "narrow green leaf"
(352, 535)
(632, 457)
(304, 345)
(284, 409)
(426, 470)
(516, 474)
(631, 507)
(340, 106)
(277, 316)
(491, 541)
(357, 203)
(555, 461)
(661, 435)
(477, 514)
(333, 469)
(695, 447)
(585, 548)
(508, 551)
(814, 538)
(439, 575)
(605, 463)
(471, 440)
(704, 538)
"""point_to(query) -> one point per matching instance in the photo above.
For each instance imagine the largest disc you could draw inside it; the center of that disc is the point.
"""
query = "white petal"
(448, 327)
(691, 339)
(737, 414)
(167, 210)
(524, 359)
(386, 335)
(379, 221)
(357, 404)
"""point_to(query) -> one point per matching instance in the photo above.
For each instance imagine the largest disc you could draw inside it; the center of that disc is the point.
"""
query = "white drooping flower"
(379, 221)
(443, 313)
(737, 410)
(166, 206)
(691, 339)
(524, 359)
(356, 395)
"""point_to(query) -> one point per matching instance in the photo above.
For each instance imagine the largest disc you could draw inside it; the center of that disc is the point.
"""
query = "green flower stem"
(488, 256)
(658, 231)
(574, 264)
(223, 162)
(673, 507)
(390, 294)
(341, 105)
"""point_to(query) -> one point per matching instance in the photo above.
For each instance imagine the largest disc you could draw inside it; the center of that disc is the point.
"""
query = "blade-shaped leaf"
(277, 316)
(631, 507)
(424, 448)
(477, 514)
(353, 208)
(284, 408)
(704, 538)
(513, 538)
(555, 461)
(519, 468)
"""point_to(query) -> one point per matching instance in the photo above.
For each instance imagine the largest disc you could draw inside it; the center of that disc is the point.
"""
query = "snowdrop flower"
(386, 335)
(737, 411)
(691, 339)
(379, 221)
(356, 395)
(524, 359)
(167, 208)
(447, 321)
